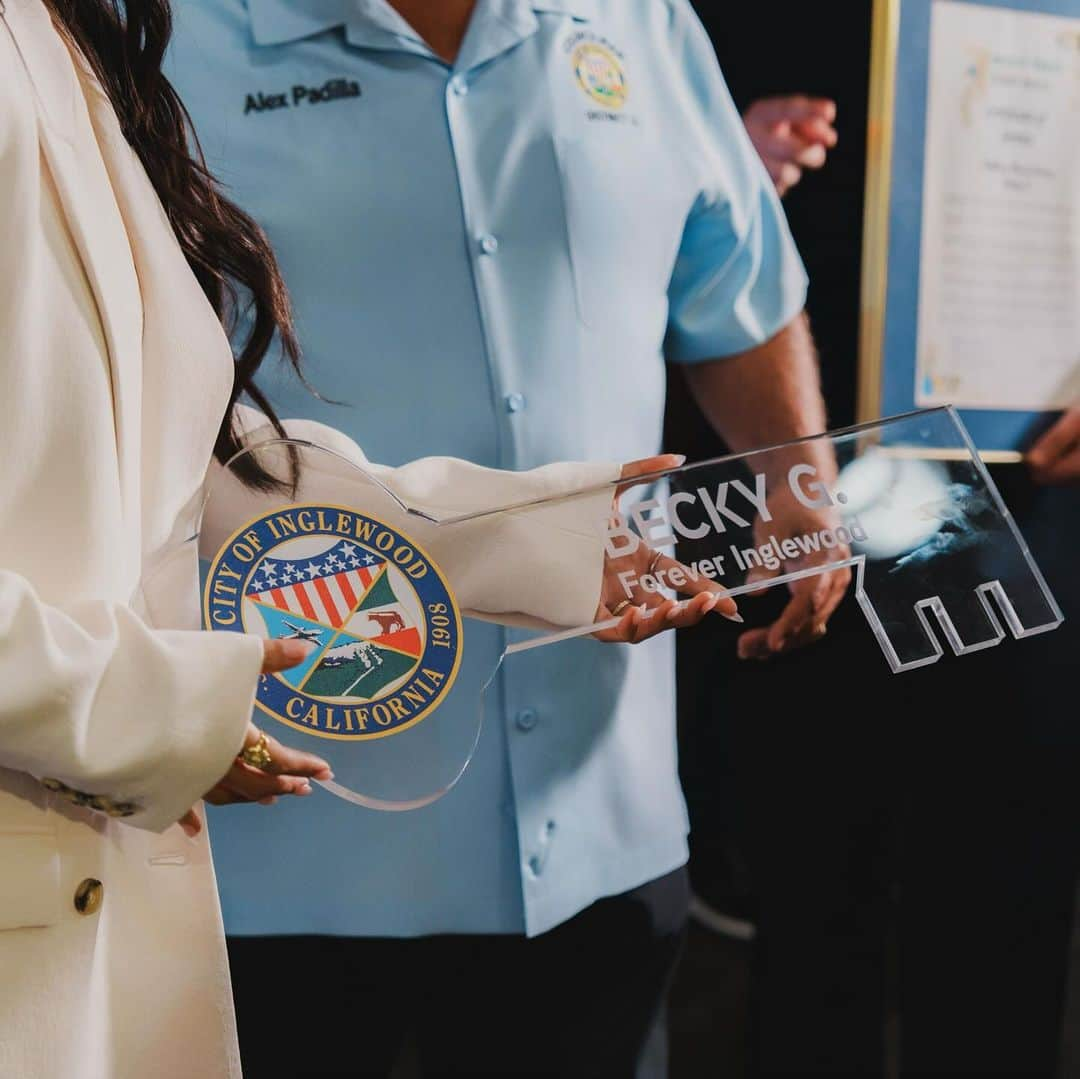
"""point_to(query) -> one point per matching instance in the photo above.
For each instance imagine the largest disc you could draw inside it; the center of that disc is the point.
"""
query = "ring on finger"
(258, 754)
(657, 555)
(619, 608)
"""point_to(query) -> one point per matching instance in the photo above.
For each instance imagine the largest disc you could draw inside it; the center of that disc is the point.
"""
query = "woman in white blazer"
(117, 715)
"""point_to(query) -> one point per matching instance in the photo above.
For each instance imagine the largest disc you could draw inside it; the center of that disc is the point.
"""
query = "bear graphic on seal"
(387, 621)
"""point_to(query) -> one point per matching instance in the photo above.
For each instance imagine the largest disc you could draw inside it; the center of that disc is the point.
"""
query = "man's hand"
(813, 598)
(762, 397)
(790, 134)
(1055, 458)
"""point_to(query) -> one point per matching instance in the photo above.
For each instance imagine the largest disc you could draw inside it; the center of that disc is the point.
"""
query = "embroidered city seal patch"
(600, 73)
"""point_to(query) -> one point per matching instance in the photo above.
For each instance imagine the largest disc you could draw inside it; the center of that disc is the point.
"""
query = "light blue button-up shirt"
(491, 261)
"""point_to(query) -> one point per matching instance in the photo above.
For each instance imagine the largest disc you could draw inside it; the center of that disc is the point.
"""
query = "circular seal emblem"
(600, 74)
(386, 629)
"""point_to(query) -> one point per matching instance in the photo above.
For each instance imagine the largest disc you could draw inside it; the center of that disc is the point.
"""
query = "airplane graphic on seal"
(299, 633)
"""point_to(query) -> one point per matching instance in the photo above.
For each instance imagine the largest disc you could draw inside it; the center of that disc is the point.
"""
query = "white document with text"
(999, 285)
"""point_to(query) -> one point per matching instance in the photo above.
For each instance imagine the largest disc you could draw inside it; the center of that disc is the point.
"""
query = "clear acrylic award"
(389, 592)
(321, 557)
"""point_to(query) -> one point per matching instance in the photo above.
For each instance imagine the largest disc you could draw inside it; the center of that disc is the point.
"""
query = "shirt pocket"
(624, 219)
(29, 864)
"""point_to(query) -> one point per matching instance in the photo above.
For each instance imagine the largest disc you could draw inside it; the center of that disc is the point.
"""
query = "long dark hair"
(227, 251)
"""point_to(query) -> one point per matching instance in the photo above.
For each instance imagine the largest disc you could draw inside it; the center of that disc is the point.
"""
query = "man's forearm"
(769, 395)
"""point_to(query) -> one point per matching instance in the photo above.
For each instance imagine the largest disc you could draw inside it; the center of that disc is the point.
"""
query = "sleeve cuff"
(216, 675)
(562, 545)
(687, 348)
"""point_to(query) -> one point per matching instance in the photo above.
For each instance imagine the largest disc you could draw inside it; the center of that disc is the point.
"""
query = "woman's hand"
(646, 612)
(289, 770)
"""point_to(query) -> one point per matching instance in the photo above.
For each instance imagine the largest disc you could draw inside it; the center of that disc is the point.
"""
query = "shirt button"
(88, 896)
(515, 402)
(459, 84)
(488, 244)
(526, 719)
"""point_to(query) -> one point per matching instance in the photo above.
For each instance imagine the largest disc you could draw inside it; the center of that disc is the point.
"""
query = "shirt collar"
(376, 24)
(274, 22)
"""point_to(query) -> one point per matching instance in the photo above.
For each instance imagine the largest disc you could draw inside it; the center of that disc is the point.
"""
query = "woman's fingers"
(626, 630)
(219, 796)
(191, 822)
(672, 574)
(644, 585)
(280, 655)
(691, 611)
(289, 771)
(673, 614)
(285, 760)
(242, 783)
(648, 621)
(222, 796)
(253, 784)
(648, 466)
(639, 623)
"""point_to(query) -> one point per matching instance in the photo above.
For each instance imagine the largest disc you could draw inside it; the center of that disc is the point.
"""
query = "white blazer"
(114, 374)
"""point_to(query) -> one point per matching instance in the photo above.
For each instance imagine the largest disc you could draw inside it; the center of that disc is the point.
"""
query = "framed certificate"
(971, 258)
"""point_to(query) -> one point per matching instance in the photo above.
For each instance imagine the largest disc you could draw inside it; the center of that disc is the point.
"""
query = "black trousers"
(911, 841)
(578, 1000)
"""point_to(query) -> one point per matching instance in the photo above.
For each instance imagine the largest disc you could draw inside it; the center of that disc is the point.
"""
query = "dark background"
(906, 846)
(792, 47)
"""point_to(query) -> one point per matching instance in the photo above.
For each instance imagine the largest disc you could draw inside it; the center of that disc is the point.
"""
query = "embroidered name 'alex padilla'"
(331, 90)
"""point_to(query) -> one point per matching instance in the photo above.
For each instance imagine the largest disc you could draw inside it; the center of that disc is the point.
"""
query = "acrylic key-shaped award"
(395, 585)
(902, 511)
(394, 590)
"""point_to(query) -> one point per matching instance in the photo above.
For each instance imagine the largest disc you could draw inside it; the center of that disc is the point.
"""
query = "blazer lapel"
(75, 162)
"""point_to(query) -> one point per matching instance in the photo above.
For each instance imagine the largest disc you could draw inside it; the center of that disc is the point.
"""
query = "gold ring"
(258, 755)
(619, 608)
(652, 561)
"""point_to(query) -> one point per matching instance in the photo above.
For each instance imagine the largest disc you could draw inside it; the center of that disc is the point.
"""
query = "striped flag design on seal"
(325, 589)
